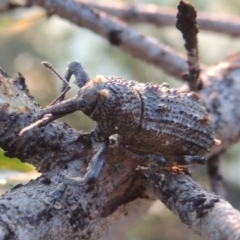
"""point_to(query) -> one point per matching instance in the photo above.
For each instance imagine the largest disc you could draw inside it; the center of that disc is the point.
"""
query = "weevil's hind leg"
(144, 158)
(93, 170)
(189, 159)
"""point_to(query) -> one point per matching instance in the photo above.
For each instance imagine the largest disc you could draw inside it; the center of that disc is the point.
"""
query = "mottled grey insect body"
(152, 123)
(149, 118)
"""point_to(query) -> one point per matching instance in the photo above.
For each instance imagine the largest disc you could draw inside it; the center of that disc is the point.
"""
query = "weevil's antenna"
(49, 66)
(65, 83)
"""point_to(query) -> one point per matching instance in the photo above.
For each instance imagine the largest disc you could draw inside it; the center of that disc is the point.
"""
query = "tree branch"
(202, 211)
(163, 17)
(118, 34)
(89, 213)
(220, 95)
(86, 212)
(9, 7)
(187, 25)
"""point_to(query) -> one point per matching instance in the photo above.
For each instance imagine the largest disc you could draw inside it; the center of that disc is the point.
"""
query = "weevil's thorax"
(117, 105)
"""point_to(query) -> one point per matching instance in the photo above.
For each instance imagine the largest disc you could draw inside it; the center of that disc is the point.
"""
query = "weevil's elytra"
(152, 122)
(150, 118)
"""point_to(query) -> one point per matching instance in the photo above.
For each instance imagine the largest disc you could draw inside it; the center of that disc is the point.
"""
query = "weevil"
(151, 122)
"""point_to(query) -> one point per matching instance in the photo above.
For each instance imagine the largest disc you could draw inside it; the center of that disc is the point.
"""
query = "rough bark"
(194, 205)
(87, 212)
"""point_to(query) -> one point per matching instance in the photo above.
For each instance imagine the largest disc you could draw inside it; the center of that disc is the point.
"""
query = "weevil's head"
(91, 93)
(92, 96)
(89, 100)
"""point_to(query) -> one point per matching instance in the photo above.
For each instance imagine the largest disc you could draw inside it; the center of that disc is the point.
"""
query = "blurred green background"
(28, 36)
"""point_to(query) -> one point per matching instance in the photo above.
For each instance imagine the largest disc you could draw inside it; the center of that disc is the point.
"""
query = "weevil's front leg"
(81, 78)
(74, 68)
(93, 170)
(66, 86)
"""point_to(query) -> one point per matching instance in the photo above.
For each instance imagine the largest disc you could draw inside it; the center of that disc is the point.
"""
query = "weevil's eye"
(88, 102)
(88, 108)
(82, 104)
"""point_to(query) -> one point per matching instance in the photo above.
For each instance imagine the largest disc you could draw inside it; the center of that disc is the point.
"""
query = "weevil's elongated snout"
(54, 112)
(62, 108)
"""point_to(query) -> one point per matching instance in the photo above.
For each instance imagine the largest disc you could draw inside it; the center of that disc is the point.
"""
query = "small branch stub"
(187, 24)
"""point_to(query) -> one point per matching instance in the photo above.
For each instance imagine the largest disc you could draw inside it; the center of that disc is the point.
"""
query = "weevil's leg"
(144, 158)
(64, 80)
(76, 69)
(93, 171)
(214, 174)
(188, 159)
(79, 73)
(55, 198)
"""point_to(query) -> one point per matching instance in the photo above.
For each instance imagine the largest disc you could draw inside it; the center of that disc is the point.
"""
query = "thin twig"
(9, 7)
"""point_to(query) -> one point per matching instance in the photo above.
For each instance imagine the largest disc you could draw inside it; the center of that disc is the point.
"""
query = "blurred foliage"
(13, 163)
(29, 36)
